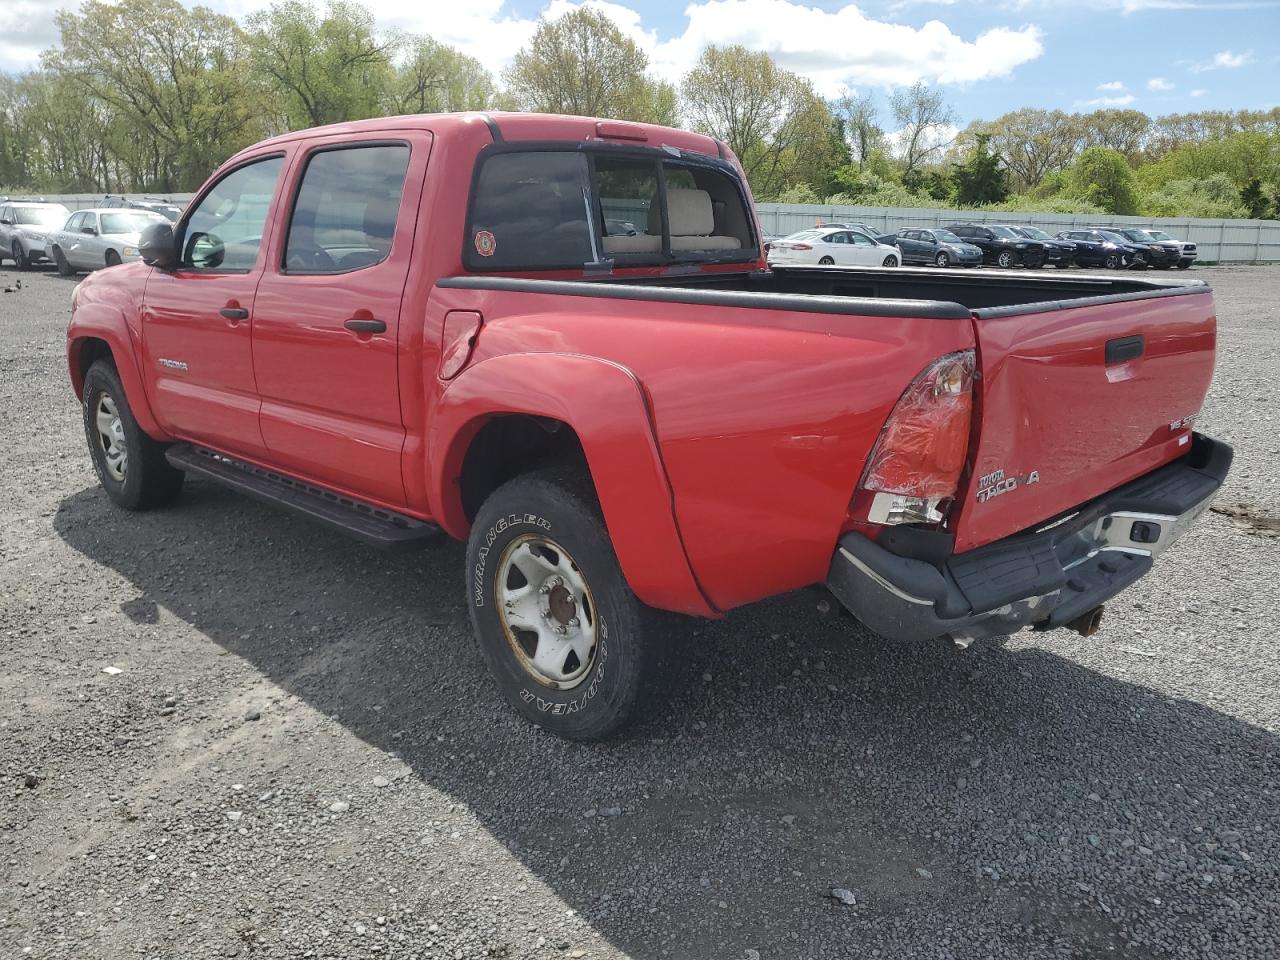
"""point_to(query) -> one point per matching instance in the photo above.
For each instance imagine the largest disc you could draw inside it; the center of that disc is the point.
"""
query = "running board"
(364, 521)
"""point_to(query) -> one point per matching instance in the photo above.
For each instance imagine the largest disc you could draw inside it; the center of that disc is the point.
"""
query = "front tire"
(1184, 264)
(113, 259)
(1112, 262)
(130, 465)
(890, 261)
(942, 259)
(1006, 259)
(20, 259)
(60, 259)
(571, 648)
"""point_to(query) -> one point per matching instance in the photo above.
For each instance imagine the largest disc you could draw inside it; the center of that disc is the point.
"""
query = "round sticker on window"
(486, 243)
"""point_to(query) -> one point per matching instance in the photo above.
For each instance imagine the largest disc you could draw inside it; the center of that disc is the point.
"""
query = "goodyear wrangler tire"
(571, 647)
(131, 466)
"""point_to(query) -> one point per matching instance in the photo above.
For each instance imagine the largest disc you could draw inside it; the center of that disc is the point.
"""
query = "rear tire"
(571, 648)
(826, 262)
(130, 465)
(60, 259)
(19, 258)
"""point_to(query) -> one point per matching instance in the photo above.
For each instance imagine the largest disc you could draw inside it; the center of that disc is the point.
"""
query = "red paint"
(725, 444)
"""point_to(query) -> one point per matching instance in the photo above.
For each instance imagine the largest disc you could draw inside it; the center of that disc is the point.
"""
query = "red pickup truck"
(557, 339)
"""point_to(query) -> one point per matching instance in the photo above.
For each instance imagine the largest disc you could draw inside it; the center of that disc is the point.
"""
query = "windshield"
(1004, 232)
(1139, 235)
(1160, 235)
(946, 236)
(50, 216)
(134, 221)
(1035, 233)
(1113, 237)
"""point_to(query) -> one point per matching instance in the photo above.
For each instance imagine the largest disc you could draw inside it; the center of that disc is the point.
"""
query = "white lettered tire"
(571, 647)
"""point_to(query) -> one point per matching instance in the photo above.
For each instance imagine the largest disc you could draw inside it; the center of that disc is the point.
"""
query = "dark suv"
(1000, 245)
(1161, 254)
(1105, 248)
(1057, 253)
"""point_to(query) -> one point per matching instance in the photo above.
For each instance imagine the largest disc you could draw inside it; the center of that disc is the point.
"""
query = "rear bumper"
(1044, 578)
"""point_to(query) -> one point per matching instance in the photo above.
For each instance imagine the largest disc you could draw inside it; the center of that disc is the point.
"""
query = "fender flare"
(98, 321)
(606, 406)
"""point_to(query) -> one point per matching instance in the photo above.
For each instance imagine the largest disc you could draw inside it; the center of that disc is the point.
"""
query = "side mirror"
(155, 246)
(91, 231)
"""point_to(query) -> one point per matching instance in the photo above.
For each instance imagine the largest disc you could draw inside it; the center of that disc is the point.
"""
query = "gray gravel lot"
(302, 756)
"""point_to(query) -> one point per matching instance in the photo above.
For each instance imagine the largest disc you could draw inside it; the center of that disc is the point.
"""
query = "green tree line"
(150, 96)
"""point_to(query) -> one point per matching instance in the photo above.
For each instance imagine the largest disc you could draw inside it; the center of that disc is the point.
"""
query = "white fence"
(1218, 241)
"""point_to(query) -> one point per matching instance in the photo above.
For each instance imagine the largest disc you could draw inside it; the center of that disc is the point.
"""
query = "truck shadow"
(1009, 792)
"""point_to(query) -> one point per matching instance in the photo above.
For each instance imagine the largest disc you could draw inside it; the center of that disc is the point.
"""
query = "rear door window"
(348, 203)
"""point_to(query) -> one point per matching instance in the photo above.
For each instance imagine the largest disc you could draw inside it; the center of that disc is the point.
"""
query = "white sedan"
(832, 247)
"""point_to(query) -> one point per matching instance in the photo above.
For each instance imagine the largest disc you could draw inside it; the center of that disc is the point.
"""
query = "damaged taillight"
(915, 466)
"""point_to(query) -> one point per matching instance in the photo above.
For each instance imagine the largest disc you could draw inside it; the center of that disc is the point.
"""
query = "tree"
(924, 118)
(980, 179)
(771, 118)
(1214, 196)
(860, 119)
(581, 63)
(1102, 176)
(1254, 200)
(1124, 131)
(1033, 142)
(171, 79)
(321, 69)
(436, 78)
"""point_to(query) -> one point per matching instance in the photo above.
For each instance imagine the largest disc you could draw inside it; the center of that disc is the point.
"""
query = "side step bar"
(367, 523)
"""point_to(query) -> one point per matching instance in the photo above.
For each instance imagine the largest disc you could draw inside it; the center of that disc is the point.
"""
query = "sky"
(1159, 56)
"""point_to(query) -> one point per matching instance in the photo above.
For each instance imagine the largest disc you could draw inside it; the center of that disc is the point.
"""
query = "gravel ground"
(301, 754)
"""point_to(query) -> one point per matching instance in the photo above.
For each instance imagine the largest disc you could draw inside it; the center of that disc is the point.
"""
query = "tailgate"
(1073, 401)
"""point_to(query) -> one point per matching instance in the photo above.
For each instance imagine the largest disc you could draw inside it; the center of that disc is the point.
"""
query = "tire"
(826, 262)
(1184, 264)
(588, 690)
(113, 259)
(942, 259)
(130, 465)
(60, 259)
(1006, 259)
(19, 258)
(890, 261)
(1112, 261)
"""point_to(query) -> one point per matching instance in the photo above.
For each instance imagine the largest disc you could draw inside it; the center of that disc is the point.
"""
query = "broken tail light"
(914, 468)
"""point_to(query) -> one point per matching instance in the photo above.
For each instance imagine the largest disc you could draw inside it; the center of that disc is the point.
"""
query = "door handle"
(235, 313)
(365, 326)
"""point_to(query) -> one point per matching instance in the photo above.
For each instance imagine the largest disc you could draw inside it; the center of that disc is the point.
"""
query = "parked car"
(1103, 248)
(684, 431)
(939, 247)
(832, 247)
(1160, 254)
(1187, 249)
(166, 208)
(1057, 253)
(620, 228)
(1000, 245)
(24, 225)
(91, 239)
(865, 228)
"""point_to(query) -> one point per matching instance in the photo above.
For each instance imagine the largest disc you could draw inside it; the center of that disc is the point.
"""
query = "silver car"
(99, 238)
(24, 227)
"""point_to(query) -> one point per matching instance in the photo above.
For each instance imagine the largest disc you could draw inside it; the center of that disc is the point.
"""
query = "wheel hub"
(547, 612)
(110, 428)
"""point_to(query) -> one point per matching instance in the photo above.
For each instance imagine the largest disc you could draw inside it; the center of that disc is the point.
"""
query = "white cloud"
(939, 137)
(1159, 85)
(1224, 60)
(1113, 85)
(1122, 101)
(834, 48)
(1198, 93)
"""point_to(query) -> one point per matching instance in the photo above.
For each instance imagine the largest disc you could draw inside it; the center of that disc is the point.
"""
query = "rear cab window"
(572, 208)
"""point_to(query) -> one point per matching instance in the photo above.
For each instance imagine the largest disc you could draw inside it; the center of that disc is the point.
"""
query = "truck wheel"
(60, 259)
(131, 466)
(571, 647)
(1006, 259)
(19, 258)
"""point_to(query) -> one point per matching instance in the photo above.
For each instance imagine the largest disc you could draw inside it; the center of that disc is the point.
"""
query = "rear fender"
(605, 405)
(99, 321)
